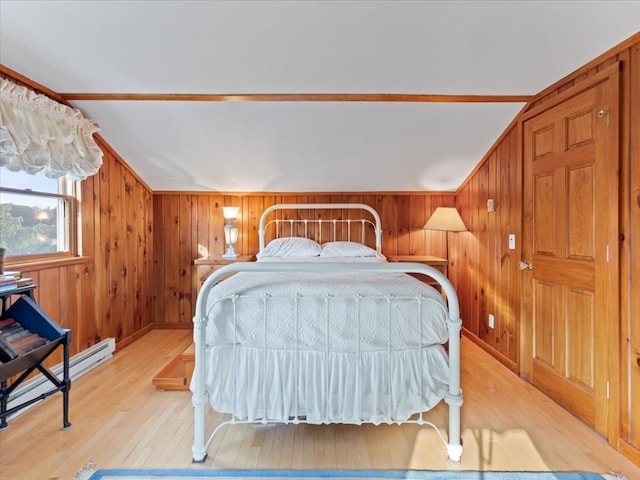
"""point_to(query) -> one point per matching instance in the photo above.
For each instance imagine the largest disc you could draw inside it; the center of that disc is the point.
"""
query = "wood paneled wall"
(117, 233)
(483, 268)
(182, 221)
(630, 253)
(486, 272)
(106, 292)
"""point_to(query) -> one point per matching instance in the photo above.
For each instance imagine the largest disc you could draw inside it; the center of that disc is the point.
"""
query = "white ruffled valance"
(38, 134)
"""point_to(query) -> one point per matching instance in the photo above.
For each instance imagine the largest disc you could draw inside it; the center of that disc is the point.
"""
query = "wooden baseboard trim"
(120, 344)
(629, 451)
(172, 326)
(507, 362)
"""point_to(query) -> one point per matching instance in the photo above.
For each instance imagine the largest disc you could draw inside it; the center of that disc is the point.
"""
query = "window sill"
(41, 264)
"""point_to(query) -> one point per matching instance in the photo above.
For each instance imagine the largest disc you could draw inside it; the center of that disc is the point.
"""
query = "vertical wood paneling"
(389, 216)
(103, 255)
(436, 239)
(630, 257)
(149, 255)
(171, 261)
(417, 219)
(491, 278)
(515, 227)
(53, 296)
(127, 252)
(485, 281)
(484, 241)
(185, 256)
(85, 332)
(255, 207)
(158, 286)
(118, 258)
(341, 214)
(182, 221)
(73, 306)
(403, 225)
(267, 201)
(506, 317)
(460, 271)
(217, 244)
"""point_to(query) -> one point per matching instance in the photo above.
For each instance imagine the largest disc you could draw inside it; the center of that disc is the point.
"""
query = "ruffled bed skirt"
(327, 387)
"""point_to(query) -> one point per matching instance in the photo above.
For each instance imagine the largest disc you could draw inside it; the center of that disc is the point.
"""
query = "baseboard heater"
(79, 364)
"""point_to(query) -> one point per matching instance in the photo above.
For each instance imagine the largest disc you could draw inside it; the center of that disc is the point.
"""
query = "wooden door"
(570, 240)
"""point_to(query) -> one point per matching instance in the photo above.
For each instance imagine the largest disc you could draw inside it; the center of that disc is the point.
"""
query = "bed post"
(199, 398)
(454, 395)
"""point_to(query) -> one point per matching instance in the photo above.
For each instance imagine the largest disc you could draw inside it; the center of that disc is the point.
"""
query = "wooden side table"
(439, 263)
(205, 266)
(177, 374)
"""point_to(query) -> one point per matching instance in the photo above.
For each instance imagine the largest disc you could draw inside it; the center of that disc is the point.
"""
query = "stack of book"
(10, 280)
(15, 340)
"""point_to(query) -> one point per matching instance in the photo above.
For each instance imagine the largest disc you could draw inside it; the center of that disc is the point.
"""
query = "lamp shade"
(230, 213)
(446, 219)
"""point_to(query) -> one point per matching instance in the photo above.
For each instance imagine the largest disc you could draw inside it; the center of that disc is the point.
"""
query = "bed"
(322, 329)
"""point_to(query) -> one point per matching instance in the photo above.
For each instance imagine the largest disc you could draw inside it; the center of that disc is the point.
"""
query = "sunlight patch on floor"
(514, 449)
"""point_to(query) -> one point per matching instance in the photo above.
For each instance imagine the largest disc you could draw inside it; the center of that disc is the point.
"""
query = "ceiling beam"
(296, 97)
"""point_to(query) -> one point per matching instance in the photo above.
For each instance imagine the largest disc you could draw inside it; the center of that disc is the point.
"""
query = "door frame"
(609, 147)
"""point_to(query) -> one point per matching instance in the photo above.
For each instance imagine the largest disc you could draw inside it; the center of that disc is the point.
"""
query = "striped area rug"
(167, 474)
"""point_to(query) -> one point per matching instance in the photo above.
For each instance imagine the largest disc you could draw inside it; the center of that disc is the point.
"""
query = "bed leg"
(199, 397)
(195, 460)
(454, 446)
(199, 448)
(454, 452)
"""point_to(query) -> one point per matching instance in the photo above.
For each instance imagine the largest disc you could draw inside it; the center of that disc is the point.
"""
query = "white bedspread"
(332, 347)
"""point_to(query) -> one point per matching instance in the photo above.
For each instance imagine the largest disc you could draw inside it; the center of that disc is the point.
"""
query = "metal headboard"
(281, 224)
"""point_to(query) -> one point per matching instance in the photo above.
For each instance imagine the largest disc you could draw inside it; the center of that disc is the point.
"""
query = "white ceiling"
(309, 47)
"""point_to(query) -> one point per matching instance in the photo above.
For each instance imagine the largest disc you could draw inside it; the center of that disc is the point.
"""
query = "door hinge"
(608, 389)
(602, 112)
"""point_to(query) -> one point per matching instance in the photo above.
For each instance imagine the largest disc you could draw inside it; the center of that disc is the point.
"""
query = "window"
(37, 215)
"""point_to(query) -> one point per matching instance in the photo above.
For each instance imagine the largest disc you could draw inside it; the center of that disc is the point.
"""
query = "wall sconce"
(230, 230)
(446, 219)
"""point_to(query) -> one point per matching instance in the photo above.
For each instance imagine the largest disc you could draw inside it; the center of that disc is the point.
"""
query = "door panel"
(580, 213)
(544, 239)
(544, 324)
(580, 331)
(570, 221)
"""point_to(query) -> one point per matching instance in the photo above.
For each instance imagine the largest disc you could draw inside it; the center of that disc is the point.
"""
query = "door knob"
(525, 265)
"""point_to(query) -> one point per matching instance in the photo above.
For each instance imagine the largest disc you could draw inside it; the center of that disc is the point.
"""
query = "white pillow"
(347, 249)
(291, 247)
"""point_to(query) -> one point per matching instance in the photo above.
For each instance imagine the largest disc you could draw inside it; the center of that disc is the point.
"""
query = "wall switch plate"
(491, 321)
(512, 241)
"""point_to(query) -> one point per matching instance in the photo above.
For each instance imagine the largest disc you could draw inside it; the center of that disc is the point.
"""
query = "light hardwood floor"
(121, 421)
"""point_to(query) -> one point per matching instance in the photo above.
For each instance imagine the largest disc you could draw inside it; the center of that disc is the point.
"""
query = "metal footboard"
(200, 398)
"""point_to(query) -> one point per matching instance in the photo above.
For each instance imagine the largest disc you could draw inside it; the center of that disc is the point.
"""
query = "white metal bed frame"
(200, 398)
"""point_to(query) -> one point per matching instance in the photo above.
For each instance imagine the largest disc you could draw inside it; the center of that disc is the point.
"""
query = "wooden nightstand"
(439, 263)
(207, 265)
(177, 374)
